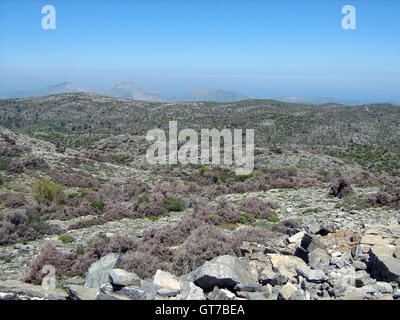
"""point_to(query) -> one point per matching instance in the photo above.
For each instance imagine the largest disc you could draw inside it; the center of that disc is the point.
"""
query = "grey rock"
(358, 265)
(298, 295)
(317, 276)
(77, 292)
(383, 266)
(256, 287)
(120, 277)
(303, 271)
(286, 291)
(135, 293)
(225, 272)
(189, 291)
(17, 288)
(76, 281)
(99, 271)
(166, 292)
(308, 244)
(166, 280)
(318, 256)
(384, 287)
(221, 294)
(396, 293)
(268, 276)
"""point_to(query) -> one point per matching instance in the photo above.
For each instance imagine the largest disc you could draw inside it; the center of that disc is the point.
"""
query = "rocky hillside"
(366, 134)
(303, 225)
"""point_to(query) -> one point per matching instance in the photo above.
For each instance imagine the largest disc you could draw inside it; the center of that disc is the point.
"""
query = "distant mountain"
(130, 90)
(64, 87)
(216, 95)
(318, 100)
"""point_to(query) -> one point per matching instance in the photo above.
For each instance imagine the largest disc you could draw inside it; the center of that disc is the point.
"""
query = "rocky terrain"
(305, 225)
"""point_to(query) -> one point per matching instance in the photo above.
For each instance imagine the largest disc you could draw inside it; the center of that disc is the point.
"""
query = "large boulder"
(189, 291)
(285, 265)
(225, 272)
(120, 277)
(99, 271)
(382, 265)
(308, 244)
(77, 292)
(167, 280)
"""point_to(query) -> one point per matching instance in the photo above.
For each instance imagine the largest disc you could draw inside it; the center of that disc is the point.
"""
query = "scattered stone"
(285, 265)
(167, 280)
(120, 277)
(166, 292)
(287, 291)
(77, 292)
(99, 271)
(383, 266)
(317, 276)
(225, 272)
(221, 294)
(189, 291)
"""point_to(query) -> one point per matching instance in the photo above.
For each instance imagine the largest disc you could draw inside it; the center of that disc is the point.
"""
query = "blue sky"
(262, 48)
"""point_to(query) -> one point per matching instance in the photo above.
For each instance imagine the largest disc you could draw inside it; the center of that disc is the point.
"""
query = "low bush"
(46, 192)
(340, 188)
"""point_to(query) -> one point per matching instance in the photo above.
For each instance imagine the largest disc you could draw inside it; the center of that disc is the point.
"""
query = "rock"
(396, 294)
(99, 271)
(17, 288)
(352, 293)
(317, 276)
(166, 292)
(318, 256)
(76, 281)
(256, 296)
(384, 287)
(248, 287)
(167, 280)
(285, 265)
(358, 265)
(135, 293)
(106, 293)
(77, 292)
(308, 244)
(286, 291)
(296, 238)
(189, 291)
(120, 277)
(371, 239)
(225, 272)
(267, 276)
(298, 295)
(303, 270)
(383, 266)
(221, 294)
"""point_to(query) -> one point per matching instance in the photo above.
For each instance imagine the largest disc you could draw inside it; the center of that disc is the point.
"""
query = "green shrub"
(66, 238)
(141, 200)
(97, 204)
(45, 192)
(173, 204)
(273, 219)
(80, 250)
(245, 218)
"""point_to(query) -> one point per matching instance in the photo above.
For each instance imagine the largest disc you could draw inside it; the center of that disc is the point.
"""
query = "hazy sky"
(262, 48)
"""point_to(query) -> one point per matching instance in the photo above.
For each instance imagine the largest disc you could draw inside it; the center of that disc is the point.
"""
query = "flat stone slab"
(20, 288)
(383, 265)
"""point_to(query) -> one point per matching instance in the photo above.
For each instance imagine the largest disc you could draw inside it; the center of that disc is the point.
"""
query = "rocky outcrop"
(225, 272)
(99, 271)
